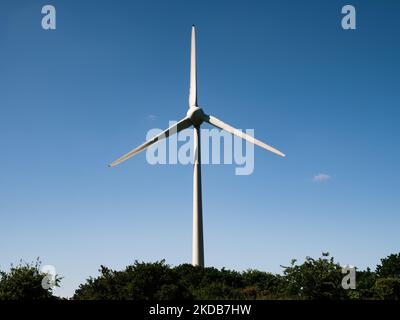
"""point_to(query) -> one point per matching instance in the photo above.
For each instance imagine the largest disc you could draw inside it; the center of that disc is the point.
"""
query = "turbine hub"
(196, 115)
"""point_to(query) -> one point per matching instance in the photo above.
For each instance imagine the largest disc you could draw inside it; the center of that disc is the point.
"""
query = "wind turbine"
(195, 117)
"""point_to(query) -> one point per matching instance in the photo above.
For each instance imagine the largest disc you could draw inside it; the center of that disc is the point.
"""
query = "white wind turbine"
(195, 117)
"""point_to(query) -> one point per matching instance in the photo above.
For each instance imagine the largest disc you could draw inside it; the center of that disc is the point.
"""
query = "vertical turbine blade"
(193, 76)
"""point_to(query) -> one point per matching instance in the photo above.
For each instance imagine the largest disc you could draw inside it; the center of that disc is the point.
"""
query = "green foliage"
(148, 281)
(315, 279)
(387, 289)
(210, 283)
(389, 267)
(217, 291)
(141, 281)
(365, 285)
(262, 285)
(24, 282)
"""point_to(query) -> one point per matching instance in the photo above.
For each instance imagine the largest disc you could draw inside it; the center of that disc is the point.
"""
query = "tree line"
(313, 279)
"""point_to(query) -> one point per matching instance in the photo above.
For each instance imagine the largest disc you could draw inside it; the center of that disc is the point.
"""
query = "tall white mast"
(197, 245)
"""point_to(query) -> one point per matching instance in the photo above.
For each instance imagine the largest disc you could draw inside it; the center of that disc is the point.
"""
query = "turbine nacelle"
(196, 115)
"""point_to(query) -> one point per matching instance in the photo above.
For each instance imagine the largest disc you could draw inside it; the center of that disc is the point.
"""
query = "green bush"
(389, 267)
(24, 282)
(140, 281)
(315, 279)
(387, 289)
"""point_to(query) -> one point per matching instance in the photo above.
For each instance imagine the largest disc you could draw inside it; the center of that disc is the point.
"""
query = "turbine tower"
(195, 117)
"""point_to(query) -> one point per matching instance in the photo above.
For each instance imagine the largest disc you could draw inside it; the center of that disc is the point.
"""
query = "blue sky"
(75, 98)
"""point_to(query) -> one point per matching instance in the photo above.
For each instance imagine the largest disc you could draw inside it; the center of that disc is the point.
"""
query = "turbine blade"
(179, 126)
(193, 76)
(222, 125)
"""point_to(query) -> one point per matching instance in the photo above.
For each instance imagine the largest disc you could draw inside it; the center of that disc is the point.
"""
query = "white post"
(198, 248)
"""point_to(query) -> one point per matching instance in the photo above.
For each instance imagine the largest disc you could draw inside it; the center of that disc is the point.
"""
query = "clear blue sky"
(74, 99)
